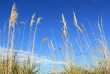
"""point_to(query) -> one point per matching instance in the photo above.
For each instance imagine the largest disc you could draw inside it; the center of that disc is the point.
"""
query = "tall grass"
(97, 50)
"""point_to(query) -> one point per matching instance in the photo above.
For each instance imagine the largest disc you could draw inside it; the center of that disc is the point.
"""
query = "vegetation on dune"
(97, 50)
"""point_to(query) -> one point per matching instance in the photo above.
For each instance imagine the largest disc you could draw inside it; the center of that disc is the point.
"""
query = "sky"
(50, 26)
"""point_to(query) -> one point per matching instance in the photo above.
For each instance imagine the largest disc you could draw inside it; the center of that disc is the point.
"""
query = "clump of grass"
(17, 68)
(9, 64)
(98, 53)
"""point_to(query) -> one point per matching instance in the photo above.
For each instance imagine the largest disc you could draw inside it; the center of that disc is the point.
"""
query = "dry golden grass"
(32, 21)
(98, 54)
(64, 27)
(75, 23)
(38, 21)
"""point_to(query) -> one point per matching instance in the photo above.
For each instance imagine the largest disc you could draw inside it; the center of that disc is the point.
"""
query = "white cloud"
(37, 59)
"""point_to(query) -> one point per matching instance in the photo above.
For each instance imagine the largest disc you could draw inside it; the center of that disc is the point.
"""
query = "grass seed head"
(44, 40)
(83, 28)
(13, 16)
(101, 42)
(52, 46)
(22, 22)
(38, 20)
(32, 21)
(75, 23)
(75, 20)
(64, 27)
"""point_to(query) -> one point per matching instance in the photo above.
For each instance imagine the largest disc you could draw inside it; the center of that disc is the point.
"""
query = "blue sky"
(51, 12)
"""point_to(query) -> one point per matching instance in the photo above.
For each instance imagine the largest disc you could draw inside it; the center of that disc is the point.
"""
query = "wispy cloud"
(37, 59)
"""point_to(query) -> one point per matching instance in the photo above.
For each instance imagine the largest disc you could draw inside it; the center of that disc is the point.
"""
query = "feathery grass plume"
(44, 40)
(100, 29)
(38, 21)
(52, 46)
(64, 29)
(89, 47)
(12, 21)
(83, 28)
(13, 16)
(75, 20)
(100, 49)
(103, 39)
(105, 42)
(32, 21)
(57, 49)
(100, 42)
(75, 23)
(22, 22)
